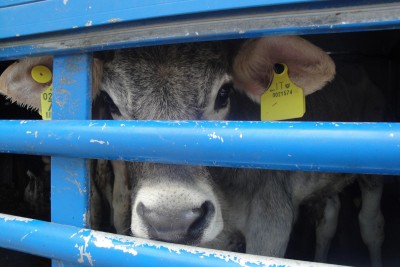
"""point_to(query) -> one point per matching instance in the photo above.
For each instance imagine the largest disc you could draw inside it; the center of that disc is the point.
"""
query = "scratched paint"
(103, 240)
(125, 244)
(83, 253)
(31, 232)
(114, 20)
(94, 248)
(213, 135)
(77, 184)
(101, 142)
(85, 216)
(201, 253)
(244, 260)
(8, 218)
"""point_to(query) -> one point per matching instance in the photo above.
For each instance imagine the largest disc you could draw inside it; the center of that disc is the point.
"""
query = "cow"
(197, 205)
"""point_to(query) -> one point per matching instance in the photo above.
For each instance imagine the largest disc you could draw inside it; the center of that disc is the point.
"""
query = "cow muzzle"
(177, 213)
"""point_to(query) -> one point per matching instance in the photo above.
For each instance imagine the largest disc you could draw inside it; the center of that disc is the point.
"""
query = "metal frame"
(101, 26)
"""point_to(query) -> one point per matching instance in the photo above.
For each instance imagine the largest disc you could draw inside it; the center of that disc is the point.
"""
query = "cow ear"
(309, 67)
(17, 84)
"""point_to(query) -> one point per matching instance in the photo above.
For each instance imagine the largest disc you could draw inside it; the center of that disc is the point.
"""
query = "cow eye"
(110, 103)
(222, 99)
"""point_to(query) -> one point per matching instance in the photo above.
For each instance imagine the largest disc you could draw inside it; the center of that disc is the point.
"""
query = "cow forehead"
(167, 82)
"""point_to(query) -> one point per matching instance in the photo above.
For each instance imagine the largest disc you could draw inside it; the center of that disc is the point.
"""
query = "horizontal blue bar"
(310, 146)
(68, 14)
(329, 17)
(94, 248)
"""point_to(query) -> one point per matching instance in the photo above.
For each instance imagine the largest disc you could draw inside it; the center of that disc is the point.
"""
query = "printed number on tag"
(45, 101)
(283, 99)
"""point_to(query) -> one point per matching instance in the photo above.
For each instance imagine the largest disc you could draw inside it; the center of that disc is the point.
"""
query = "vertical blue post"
(70, 177)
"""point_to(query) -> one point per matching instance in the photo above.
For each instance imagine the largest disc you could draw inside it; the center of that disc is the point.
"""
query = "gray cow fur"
(198, 205)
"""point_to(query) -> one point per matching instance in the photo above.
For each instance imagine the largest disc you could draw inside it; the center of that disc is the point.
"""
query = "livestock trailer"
(71, 31)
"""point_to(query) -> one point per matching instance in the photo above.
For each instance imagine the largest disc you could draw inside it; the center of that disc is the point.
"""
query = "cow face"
(173, 203)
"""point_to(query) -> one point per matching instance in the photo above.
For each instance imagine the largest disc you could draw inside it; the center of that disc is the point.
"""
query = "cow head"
(182, 82)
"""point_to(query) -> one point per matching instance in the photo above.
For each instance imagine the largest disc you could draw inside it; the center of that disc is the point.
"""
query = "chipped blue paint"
(69, 177)
(92, 248)
(308, 146)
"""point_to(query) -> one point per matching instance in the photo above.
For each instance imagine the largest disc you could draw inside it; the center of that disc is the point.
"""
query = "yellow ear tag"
(283, 99)
(42, 74)
(45, 102)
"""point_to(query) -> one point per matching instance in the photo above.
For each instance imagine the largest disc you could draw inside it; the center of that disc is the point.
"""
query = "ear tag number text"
(283, 99)
(45, 103)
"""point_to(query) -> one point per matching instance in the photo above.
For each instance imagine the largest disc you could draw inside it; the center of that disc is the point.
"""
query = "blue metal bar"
(67, 15)
(249, 23)
(69, 177)
(310, 146)
(92, 248)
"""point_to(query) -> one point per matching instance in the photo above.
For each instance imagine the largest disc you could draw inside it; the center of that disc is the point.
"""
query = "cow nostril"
(205, 213)
(184, 226)
(198, 212)
(140, 209)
